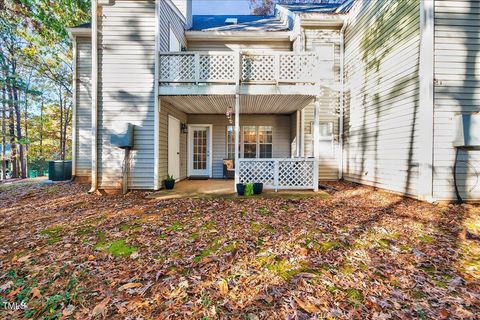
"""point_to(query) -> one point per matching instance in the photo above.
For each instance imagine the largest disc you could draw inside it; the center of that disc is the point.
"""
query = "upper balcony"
(201, 73)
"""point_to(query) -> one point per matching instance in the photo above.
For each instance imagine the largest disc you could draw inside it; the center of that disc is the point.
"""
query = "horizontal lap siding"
(239, 45)
(457, 90)
(329, 104)
(167, 110)
(83, 134)
(170, 20)
(281, 134)
(126, 90)
(382, 93)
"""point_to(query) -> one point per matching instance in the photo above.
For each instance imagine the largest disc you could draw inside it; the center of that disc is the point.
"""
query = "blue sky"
(221, 7)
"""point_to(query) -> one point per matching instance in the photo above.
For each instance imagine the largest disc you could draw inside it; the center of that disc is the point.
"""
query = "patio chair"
(228, 169)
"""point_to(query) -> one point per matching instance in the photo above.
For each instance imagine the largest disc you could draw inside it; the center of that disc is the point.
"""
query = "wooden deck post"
(237, 139)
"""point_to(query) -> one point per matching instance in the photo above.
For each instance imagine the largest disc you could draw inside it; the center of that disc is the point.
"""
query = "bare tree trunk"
(16, 103)
(4, 134)
(42, 160)
(62, 140)
(27, 88)
(11, 127)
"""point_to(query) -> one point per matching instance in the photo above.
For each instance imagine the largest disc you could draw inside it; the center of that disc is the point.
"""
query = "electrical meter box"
(124, 138)
(467, 131)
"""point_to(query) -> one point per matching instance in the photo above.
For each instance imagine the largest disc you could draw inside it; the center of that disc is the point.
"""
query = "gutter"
(94, 95)
(74, 110)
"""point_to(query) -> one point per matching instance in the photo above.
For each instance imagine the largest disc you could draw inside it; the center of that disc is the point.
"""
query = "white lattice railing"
(233, 67)
(295, 173)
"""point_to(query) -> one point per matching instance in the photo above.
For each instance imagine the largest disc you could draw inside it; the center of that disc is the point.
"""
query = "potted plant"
(169, 182)
(257, 188)
(249, 189)
(240, 189)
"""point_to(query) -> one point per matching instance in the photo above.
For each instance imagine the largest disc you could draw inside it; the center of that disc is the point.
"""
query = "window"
(326, 53)
(255, 142)
(174, 44)
(265, 140)
(230, 142)
(249, 138)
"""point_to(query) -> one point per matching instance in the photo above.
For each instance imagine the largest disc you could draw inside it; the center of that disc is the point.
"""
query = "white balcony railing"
(234, 67)
(295, 173)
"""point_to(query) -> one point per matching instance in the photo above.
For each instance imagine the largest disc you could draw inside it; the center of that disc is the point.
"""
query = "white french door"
(200, 145)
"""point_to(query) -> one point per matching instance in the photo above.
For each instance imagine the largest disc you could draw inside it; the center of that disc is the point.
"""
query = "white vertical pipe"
(237, 139)
(94, 94)
(156, 134)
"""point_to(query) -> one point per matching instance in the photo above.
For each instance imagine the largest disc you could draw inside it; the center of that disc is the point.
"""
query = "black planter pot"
(240, 189)
(169, 184)
(257, 188)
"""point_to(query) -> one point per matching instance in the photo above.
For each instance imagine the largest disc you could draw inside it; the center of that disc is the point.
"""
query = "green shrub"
(249, 189)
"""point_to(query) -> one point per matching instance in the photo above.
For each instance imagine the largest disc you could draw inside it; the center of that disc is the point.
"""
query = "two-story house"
(366, 91)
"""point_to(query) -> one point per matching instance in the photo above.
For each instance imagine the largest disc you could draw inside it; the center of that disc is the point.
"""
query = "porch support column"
(237, 139)
(316, 139)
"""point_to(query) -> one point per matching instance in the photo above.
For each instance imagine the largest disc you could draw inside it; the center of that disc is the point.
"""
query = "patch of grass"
(426, 238)
(354, 296)
(53, 234)
(329, 245)
(263, 211)
(175, 226)
(208, 225)
(119, 248)
(215, 245)
(281, 267)
(194, 236)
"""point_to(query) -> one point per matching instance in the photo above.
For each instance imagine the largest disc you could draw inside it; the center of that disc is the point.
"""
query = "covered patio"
(259, 133)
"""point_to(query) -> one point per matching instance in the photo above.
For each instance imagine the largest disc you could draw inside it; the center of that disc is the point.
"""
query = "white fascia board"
(322, 20)
(238, 35)
(76, 32)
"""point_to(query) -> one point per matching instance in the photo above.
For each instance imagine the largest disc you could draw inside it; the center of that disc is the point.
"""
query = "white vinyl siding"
(382, 94)
(324, 39)
(170, 23)
(126, 90)
(251, 46)
(457, 90)
(83, 134)
(166, 110)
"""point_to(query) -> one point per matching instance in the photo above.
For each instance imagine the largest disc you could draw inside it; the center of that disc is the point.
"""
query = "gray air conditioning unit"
(467, 131)
(106, 2)
(124, 138)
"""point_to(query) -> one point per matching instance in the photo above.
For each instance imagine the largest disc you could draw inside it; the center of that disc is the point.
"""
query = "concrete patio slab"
(219, 188)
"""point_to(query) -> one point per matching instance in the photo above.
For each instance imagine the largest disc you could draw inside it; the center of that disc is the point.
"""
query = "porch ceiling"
(252, 104)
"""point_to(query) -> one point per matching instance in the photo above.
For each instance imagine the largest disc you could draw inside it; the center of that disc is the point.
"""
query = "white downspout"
(74, 108)
(94, 95)
(342, 100)
(156, 134)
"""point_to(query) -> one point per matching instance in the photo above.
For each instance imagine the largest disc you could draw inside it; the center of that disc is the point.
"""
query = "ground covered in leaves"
(358, 253)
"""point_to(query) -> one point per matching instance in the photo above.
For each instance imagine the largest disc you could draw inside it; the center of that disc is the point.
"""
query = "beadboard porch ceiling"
(252, 104)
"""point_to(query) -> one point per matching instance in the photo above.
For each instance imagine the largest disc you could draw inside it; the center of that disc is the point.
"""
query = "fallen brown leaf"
(306, 305)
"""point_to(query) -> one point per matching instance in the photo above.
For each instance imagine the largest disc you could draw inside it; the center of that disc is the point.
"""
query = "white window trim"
(241, 141)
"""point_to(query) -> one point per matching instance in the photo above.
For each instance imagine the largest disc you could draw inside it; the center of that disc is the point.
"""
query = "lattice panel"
(296, 173)
(177, 67)
(298, 68)
(257, 171)
(217, 68)
(258, 68)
